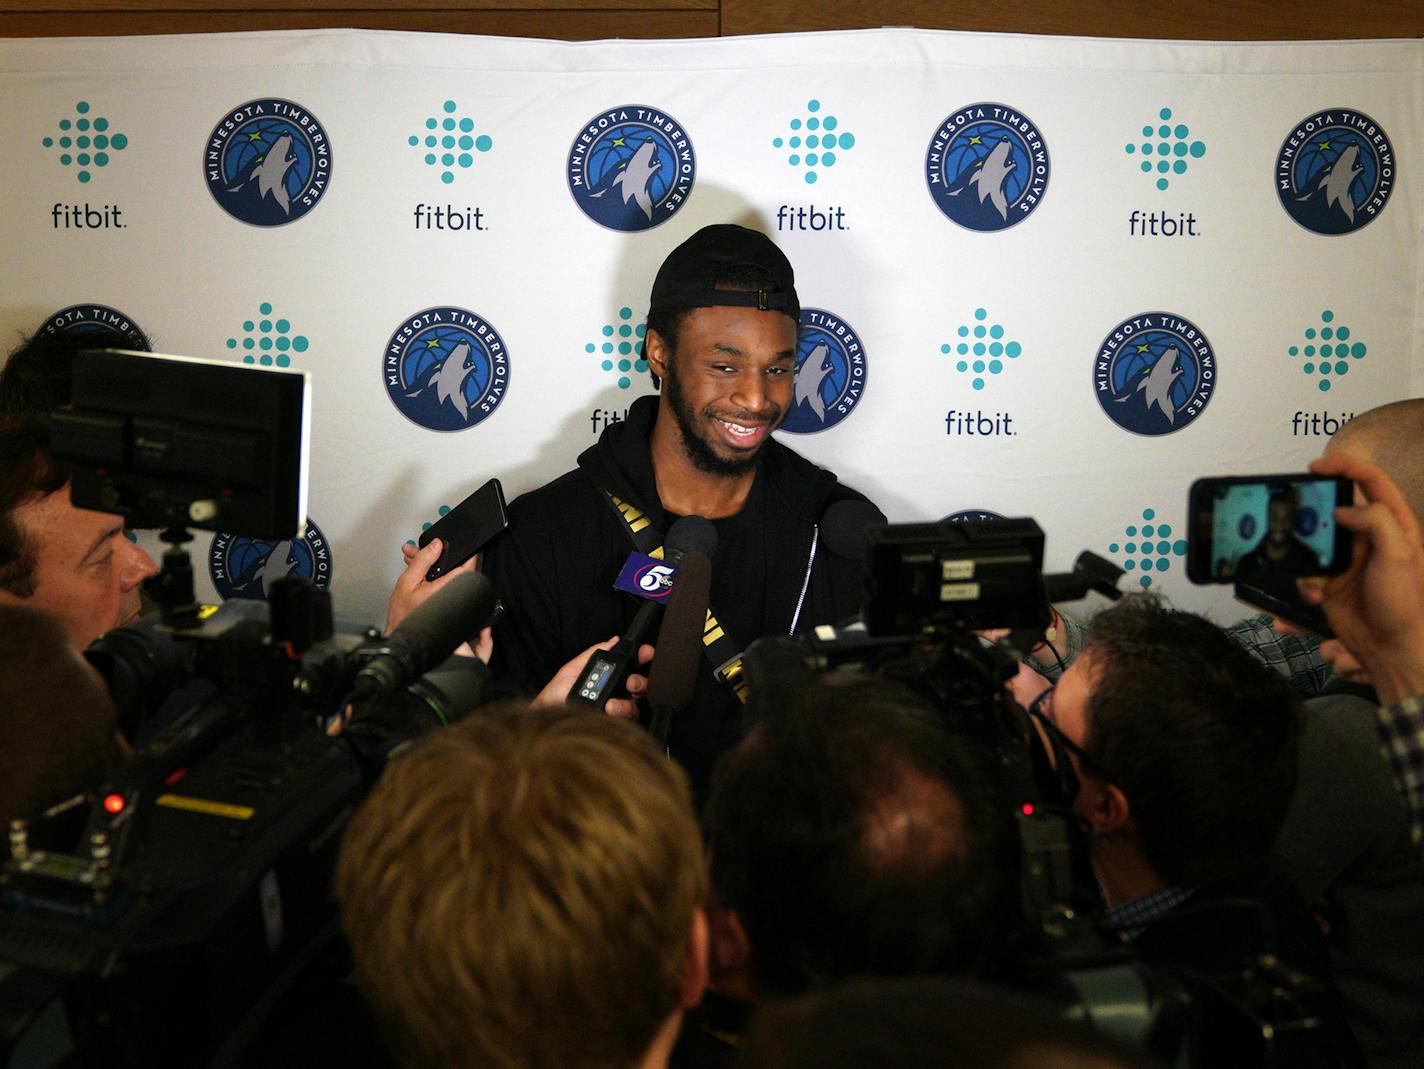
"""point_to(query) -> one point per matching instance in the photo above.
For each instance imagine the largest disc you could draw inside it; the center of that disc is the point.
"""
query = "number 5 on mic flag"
(646, 577)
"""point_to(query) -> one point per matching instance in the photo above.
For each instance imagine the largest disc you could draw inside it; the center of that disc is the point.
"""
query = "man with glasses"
(1183, 749)
(1181, 755)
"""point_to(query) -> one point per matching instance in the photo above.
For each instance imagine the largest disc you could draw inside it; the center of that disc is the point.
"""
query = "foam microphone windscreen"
(679, 643)
(846, 524)
(689, 533)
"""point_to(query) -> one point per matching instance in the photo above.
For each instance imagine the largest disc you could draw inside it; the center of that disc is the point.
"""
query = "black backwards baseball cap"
(687, 277)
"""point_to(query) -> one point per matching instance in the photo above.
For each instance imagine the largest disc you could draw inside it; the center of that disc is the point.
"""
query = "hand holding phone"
(466, 528)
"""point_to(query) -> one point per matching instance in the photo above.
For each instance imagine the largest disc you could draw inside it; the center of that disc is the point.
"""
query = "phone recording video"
(1266, 527)
(467, 528)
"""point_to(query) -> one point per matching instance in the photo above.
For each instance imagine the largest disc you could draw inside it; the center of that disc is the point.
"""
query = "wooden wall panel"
(560, 24)
(589, 19)
(1206, 20)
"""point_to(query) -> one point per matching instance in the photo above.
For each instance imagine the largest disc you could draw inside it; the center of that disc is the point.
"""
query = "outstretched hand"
(412, 589)
(557, 690)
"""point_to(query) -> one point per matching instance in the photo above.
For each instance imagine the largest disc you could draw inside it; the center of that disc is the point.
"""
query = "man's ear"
(656, 353)
(694, 977)
(1108, 809)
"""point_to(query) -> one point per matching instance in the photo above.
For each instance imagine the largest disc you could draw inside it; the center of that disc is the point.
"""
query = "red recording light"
(114, 803)
(1028, 809)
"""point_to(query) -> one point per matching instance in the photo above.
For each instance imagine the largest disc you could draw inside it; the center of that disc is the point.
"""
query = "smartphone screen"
(1266, 527)
(467, 528)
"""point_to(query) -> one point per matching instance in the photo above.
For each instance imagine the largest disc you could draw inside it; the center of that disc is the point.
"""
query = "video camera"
(174, 905)
(929, 589)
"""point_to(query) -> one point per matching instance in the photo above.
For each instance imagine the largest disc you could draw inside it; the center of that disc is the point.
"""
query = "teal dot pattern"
(619, 350)
(1328, 351)
(1171, 150)
(445, 135)
(440, 514)
(816, 141)
(1147, 547)
(86, 142)
(267, 341)
(981, 349)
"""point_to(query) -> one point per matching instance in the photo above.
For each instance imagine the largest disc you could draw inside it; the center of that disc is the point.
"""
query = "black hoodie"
(554, 569)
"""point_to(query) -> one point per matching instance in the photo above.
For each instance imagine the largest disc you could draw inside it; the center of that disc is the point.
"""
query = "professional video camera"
(176, 905)
(930, 588)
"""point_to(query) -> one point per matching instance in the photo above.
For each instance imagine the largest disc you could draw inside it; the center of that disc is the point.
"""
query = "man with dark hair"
(523, 890)
(1184, 748)
(38, 375)
(721, 340)
(851, 834)
(1280, 550)
(73, 562)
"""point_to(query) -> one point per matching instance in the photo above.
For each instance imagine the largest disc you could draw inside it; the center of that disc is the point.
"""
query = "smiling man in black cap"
(721, 344)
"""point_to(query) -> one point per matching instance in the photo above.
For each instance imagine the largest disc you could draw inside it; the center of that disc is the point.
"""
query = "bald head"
(851, 832)
(1391, 436)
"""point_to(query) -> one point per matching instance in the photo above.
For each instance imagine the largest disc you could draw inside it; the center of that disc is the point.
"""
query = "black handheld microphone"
(605, 671)
(427, 636)
(679, 644)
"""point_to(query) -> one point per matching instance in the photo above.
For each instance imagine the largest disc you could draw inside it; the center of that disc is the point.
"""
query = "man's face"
(86, 571)
(729, 383)
(1067, 708)
(1280, 519)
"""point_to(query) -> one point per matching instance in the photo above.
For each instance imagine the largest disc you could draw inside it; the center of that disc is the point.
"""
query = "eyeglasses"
(1041, 709)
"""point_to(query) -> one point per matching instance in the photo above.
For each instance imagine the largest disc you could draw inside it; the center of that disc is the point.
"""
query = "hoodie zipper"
(806, 583)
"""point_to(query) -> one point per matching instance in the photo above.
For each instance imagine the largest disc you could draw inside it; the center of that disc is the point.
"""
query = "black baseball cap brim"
(688, 277)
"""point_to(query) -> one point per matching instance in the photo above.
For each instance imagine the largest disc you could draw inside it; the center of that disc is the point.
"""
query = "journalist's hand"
(1376, 607)
(411, 589)
(557, 690)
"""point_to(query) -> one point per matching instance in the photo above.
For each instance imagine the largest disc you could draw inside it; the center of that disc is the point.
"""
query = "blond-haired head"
(521, 890)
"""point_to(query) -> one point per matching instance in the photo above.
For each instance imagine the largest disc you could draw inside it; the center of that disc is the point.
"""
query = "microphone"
(846, 524)
(679, 644)
(606, 670)
(427, 636)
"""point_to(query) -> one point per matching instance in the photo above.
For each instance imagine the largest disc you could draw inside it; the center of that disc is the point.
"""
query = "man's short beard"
(698, 451)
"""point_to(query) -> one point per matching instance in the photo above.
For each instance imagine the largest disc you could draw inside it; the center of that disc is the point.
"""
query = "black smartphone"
(467, 528)
(1266, 527)
(1281, 599)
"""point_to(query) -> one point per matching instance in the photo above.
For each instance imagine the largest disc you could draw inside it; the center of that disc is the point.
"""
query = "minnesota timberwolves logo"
(446, 369)
(631, 168)
(267, 162)
(966, 515)
(244, 567)
(830, 373)
(96, 319)
(1335, 171)
(1154, 373)
(987, 167)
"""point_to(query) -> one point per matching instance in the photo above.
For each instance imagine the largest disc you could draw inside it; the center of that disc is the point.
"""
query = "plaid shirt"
(1295, 656)
(1401, 728)
(1132, 918)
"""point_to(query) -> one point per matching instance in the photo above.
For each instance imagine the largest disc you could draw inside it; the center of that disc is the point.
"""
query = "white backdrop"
(922, 235)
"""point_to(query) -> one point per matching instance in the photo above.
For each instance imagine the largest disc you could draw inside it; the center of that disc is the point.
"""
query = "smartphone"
(1266, 527)
(467, 528)
(1281, 599)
